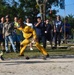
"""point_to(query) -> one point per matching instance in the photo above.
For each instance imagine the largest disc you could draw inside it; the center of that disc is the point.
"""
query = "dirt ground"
(60, 66)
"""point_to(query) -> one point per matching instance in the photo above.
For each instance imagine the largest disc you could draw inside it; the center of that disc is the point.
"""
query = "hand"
(54, 31)
(15, 27)
(3, 36)
(35, 39)
(45, 31)
(61, 30)
(38, 23)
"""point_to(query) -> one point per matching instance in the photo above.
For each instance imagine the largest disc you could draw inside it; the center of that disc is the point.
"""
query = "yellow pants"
(24, 44)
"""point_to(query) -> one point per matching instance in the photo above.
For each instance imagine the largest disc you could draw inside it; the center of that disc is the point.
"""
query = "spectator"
(2, 39)
(1, 34)
(7, 33)
(57, 30)
(48, 29)
(40, 27)
(16, 34)
(67, 28)
(31, 25)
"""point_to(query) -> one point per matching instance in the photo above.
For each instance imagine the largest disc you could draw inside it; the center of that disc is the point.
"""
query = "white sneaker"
(31, 49)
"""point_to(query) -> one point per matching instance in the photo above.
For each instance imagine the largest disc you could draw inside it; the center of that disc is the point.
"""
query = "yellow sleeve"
(19, 28)
(33, 32)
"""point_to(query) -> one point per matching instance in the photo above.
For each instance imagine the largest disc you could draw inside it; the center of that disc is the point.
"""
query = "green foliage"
(70, 20)
(29, 7)
(6, 8)
(51, 14)
(24, 8)
(51, 2)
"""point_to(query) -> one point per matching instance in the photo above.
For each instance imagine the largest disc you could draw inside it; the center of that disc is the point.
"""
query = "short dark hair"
(59, 17)
(38, 17)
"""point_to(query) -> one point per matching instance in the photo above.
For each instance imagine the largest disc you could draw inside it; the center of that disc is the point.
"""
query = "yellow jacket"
(28, 32)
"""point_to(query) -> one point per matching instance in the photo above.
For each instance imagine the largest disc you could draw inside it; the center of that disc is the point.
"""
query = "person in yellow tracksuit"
(29, 34)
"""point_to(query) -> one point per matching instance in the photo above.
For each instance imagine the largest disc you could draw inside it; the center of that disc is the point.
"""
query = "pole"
(64, 26)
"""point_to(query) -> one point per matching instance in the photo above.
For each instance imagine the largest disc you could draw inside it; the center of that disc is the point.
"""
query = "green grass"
(36, 53)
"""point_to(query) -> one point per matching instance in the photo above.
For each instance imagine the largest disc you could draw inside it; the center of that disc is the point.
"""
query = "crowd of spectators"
(45, 31)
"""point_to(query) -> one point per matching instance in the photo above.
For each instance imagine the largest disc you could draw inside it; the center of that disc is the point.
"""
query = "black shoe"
(16, 51)
(55, 47)
(27, 58)
(45, 57)
(59, 44)
(7, 51)
(3, 50)
(1, 58)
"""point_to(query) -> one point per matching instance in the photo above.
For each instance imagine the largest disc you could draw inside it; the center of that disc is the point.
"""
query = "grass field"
(37, 53)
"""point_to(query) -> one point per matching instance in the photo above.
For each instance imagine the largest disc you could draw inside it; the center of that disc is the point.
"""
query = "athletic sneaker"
(31, 49)
(45, 57)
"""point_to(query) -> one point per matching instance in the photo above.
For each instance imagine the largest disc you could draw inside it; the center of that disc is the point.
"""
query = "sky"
(69, 8)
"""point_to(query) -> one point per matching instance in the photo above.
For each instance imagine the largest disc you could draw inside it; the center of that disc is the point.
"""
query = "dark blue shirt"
(40, 29)
(67, 27)
(58, 25)
(48, 28)
(1, 27)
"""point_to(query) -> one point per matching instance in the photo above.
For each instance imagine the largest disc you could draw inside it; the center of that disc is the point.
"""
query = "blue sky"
(69, 8)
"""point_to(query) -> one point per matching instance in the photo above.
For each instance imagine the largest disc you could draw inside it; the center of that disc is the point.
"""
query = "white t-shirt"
(29, 24)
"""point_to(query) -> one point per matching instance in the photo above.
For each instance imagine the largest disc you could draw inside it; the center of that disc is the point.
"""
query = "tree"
(7, 8)
(2, 7)
(29, 7)
(70, 20)
(23, 8)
